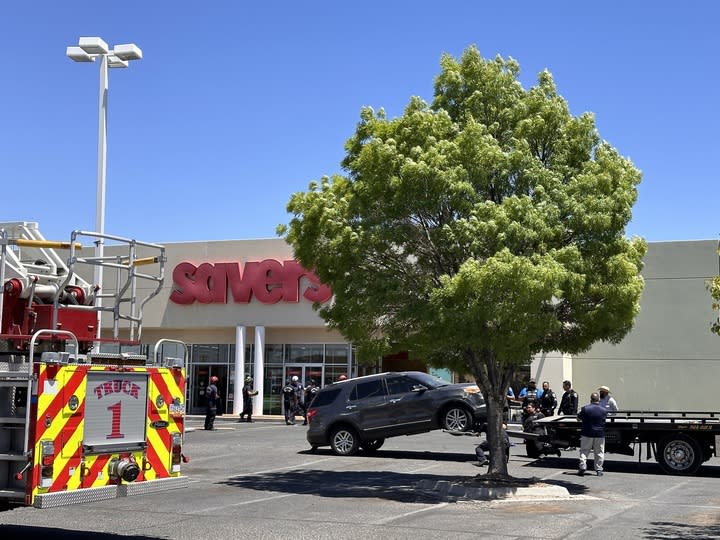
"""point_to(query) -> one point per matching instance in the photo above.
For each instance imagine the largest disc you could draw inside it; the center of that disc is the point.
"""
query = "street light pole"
(100, 194)
(88, 50)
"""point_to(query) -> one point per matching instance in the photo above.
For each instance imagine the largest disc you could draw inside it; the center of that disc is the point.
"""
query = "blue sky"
(236, 105)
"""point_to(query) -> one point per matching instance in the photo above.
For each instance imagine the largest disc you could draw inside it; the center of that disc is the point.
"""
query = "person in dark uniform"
(592, 436)
(531, 413)
(569, 401)
(247, 395)
(299, 398)
(311, 389)
(211, 403)
(547, 400)
(289, 402)
(484, 446)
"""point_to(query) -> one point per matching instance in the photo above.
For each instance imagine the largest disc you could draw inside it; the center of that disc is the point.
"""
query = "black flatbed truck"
(680, 441)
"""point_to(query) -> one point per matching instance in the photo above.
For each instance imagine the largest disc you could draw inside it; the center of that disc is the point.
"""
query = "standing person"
(548, 401)
(569, 401)
(289, 402)
(592, 436)
(247, 394)
(342, 377)
(211, 402)
(606, 400)
(529, 393)
(299, 398)
(310, 391)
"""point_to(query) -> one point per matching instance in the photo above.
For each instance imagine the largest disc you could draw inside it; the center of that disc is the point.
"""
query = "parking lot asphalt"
(260, 480)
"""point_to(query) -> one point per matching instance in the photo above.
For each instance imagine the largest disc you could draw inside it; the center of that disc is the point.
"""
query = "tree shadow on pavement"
(625, 467)
(27, 532)
(404, 454)
(670, 530)
(394, 486)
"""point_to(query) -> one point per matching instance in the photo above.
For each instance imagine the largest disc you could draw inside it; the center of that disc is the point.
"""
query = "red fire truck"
(84, 415)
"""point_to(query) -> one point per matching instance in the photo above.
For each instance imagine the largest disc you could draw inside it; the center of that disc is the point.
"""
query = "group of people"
(545, 399)
(212, 400)
(297, 398)
(541, 402)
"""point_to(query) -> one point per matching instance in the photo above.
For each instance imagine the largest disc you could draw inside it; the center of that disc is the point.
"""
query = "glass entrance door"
(305, 372)
(201, 378)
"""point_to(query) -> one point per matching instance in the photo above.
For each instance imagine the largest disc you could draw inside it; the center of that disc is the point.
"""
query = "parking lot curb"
(446, 488)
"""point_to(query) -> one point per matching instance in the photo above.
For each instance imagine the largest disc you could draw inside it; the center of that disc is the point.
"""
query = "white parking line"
(406, 514)
(253, 501)
(296, 466)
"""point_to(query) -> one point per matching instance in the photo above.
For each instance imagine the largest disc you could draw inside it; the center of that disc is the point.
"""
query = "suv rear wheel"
(372, 446)
(456, 418)
(344, 441)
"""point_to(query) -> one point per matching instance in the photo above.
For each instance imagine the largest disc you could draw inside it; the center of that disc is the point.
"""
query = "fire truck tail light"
(176, 456)
(47, 456)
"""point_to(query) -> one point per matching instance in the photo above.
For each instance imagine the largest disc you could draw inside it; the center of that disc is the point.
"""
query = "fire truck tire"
(679, 454)
(372, 446)
(344, 441)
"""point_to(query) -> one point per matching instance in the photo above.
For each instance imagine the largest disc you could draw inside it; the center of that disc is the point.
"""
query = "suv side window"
(398, 384)
(326, 397)
(368, 389)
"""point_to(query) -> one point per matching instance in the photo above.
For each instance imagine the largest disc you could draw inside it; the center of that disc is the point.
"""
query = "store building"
(244, 307)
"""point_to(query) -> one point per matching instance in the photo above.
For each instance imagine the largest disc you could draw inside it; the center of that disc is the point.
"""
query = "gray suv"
(363, 412)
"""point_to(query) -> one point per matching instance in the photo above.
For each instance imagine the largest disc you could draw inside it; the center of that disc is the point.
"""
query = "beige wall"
(670, 360)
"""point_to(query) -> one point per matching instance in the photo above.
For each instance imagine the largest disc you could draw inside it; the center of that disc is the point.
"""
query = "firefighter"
(289, 402)
(299, 398)
(247, 395)
(211, 402)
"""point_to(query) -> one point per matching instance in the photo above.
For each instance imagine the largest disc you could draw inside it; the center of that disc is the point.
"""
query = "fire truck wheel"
(679, 454)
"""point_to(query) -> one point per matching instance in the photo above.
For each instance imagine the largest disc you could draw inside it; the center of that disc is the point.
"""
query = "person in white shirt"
(606, 400)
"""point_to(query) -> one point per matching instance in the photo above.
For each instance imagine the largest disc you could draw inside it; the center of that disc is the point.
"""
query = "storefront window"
(274, 354)
(337, 354)
(210, 354)
(304, 354)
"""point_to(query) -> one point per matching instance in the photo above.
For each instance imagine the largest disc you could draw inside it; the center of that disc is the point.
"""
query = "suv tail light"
(311, 414)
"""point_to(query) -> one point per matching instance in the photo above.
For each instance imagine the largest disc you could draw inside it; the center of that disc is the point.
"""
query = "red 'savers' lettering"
(269, 281)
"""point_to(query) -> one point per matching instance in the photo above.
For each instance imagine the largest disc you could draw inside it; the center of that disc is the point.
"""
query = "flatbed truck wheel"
(679, 454)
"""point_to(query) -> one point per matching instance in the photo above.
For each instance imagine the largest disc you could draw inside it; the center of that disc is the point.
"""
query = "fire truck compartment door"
(115, 411)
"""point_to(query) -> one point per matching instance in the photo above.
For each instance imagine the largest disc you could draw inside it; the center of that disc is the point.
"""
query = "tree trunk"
(493, 380)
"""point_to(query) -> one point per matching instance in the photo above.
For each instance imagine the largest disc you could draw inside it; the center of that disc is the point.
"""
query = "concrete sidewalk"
(235, 418)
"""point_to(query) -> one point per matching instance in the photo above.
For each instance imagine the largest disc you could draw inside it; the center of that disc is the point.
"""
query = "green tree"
(713, 286)
(476, 231)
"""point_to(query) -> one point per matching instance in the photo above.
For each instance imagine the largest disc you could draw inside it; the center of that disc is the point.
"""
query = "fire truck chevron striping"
(78, 424)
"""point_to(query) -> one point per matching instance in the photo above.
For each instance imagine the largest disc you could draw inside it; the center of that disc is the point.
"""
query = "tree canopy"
(476, 230)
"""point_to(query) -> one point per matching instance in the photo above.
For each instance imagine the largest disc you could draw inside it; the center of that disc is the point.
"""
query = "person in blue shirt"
(530, 393)
(592, 436)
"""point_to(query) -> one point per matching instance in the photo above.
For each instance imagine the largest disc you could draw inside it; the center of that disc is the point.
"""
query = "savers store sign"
(269, 281)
